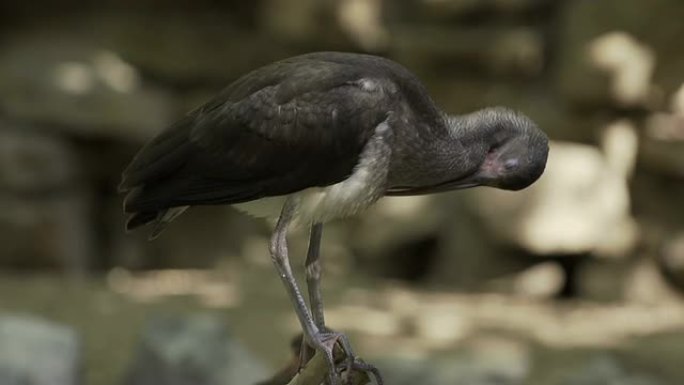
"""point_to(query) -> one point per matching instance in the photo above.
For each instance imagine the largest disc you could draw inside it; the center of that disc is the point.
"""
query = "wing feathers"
(279, 129)
(159, 158)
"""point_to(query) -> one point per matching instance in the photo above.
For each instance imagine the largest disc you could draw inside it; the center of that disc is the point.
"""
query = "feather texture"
(283, 128)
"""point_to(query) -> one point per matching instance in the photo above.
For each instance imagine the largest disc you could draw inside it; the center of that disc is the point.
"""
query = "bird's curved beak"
(458, 184)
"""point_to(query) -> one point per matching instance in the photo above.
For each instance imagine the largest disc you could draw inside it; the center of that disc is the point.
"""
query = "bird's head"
(496, 147)
(510, 150)
(516, 152)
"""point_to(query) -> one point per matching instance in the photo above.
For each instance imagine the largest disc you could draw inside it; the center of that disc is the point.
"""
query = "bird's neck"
(428, 155)
(470, 129)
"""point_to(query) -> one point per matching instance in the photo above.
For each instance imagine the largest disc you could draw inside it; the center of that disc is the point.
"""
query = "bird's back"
(298, 123)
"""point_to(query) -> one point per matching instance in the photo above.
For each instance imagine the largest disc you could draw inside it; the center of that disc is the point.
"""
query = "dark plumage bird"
(322, 136)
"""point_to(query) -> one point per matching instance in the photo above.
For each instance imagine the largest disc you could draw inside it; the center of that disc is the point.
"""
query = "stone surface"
(605, 369)
(54, 232)
(485, 361)
(35, 162)
(671, 260)
(186, 48)
(392, 225)
(445, 11)
(580, 204)
(38, 352)
(517, 51)
(662, 150)
(192, 350)
(467, 255)
(65, 80)
(583, 80)
(45, 206)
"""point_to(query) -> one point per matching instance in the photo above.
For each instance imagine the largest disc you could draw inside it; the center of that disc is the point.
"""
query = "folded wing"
(279, 129)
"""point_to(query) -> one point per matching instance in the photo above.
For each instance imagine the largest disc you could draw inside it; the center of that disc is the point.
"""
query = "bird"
(320, 136)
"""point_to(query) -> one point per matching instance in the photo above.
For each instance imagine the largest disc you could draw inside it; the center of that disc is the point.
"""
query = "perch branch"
(315, 372)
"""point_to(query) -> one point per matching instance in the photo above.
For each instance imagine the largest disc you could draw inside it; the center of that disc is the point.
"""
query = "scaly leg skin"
(313, 281)
(313, 275)
(321, 340)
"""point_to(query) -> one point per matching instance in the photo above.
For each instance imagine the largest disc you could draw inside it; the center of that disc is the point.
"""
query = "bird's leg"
(319, 339)
(313, 275)
(313, 282)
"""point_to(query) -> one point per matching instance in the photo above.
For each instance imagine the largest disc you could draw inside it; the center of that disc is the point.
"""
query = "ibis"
(321, 136)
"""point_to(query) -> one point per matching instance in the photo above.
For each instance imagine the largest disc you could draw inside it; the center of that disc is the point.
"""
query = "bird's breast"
(320, 204)
(366, 184)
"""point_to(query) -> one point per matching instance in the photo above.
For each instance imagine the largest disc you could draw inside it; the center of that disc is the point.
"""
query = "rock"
(580, 204)
(662, 150)
(597, 37)
(45, 207)
(312, 23)
(294, 21)
(394, 225)
(605, 369)
(186, 48)
(195, 350)
(363, 22)
(64, 80)
(670, 260)
(445, 11)
(629, 65)
(542, 281)
(464, 94)
(517, 51)
(605, 281)
(484, 361)
(435, 239)
(33, 162)
(200, 238)
(38, 352)
(422, 238)
(53, 232)
(468, 255)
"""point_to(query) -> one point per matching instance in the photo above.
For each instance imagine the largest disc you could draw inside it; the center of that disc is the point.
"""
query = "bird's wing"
(277, 130)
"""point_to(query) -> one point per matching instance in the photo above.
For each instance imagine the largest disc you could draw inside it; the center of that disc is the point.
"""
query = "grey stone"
(488, 362)
(184, 48)
(33, 162)
(462, 94)
(434, 239)
(38, 352)
(671, 260)
(580, 205)
(192, 350)
(583, 21)
(48, 231)
(468, 255)
(45, 205)
(500, 51)
(606, 370)
(662, 149)
(64, 80)
(436, 11)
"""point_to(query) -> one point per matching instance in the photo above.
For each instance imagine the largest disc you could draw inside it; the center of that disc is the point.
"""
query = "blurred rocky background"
(575, 281)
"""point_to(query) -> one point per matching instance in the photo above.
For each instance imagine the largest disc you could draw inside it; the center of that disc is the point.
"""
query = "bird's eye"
(511, 164)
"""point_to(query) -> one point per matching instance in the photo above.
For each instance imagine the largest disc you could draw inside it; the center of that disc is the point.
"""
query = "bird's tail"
(159, 219)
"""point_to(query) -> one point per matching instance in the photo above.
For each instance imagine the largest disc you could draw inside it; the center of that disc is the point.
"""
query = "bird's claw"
(358, 365)
(325, 342)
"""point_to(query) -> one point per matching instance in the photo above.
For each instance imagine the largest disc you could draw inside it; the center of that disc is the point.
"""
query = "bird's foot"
(359, 366)
(325, 342)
